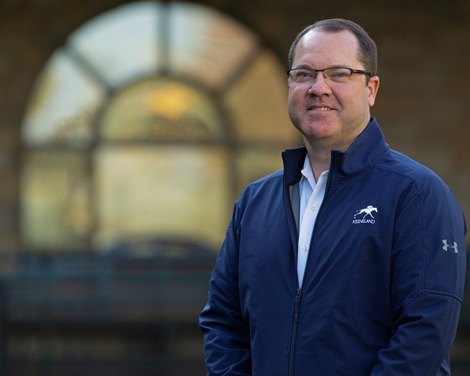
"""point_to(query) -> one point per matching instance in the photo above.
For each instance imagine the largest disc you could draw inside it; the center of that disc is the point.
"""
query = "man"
(349, 261)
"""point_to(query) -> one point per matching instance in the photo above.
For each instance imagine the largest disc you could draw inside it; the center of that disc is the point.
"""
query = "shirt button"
(314, 207)
(306, 248)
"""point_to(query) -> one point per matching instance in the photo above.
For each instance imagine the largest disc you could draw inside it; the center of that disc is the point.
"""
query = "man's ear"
(372, 89)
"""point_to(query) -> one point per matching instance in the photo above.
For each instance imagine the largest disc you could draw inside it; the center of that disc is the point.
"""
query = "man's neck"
(320, 156)
(319, 162)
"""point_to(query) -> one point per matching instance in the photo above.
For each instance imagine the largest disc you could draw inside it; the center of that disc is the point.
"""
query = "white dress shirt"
(311, 198)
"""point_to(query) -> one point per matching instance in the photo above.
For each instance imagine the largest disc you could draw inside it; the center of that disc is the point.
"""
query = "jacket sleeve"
(428, 274)
(226, 334)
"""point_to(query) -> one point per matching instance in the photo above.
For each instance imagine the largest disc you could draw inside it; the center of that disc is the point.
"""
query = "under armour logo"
(446, 246)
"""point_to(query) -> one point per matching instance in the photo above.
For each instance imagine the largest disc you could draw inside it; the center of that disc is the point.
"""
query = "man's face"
(330, 113)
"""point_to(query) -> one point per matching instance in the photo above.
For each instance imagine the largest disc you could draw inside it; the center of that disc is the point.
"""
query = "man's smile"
(320, 109)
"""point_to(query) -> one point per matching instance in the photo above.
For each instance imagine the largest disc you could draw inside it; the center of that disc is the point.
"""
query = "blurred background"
(128, 128)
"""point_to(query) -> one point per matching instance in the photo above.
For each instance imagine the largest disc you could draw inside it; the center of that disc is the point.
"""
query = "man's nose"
(319, 86)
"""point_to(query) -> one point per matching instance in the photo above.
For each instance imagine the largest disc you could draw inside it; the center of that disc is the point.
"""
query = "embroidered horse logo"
(366, 211)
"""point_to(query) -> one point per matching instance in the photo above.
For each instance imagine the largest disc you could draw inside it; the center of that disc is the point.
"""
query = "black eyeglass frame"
(353, 71)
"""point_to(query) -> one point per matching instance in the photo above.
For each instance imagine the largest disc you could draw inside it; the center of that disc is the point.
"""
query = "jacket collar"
(365, 149)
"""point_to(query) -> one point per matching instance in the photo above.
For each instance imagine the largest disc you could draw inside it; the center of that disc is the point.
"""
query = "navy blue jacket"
(383, 283)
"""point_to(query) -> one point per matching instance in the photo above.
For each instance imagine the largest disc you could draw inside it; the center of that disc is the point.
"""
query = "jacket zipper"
(294, 332)
(298, 295)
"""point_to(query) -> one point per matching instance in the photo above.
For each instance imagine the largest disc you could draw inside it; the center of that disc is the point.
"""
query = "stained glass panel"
(257, 104)
(56, 211)
(255, 162)
(122, 44)
(62, 106)
(206, 45)
(181, 192)
(162, 110)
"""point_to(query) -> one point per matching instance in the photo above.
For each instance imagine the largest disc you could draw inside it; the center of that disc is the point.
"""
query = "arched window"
(148, 122)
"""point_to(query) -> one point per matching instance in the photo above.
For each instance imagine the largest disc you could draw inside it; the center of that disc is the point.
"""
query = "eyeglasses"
(333, 74)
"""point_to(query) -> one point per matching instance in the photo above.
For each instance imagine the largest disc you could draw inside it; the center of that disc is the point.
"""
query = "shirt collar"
(307, 173)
